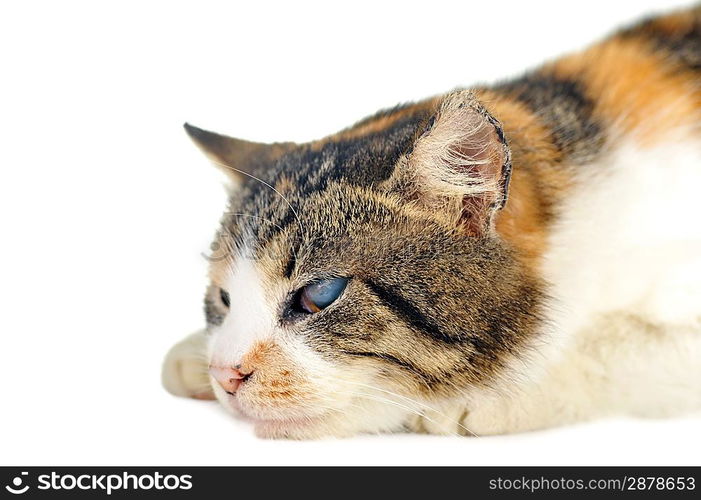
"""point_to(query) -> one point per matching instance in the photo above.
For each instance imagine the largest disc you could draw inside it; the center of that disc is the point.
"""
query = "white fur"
(617, 365)
(629, 235)
(251, 315)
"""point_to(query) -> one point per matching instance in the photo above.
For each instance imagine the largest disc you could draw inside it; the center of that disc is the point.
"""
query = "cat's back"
(626, 235)
(643, 81)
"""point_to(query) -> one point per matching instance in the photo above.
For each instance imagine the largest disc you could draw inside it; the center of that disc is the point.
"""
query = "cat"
(494, 260)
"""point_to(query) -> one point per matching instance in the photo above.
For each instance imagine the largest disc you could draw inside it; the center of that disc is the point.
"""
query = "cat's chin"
(311, 428)
(322, 426)
(279, 427)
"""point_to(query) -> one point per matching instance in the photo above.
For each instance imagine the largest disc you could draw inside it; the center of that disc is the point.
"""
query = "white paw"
(184, 370)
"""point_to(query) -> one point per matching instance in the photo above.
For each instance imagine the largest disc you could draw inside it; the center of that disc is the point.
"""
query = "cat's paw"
(184, 370)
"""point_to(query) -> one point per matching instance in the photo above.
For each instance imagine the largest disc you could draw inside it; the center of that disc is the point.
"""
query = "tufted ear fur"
(236, 157)
(460, 165)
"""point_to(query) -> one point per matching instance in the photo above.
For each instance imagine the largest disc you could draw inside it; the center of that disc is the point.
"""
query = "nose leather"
(227, 377)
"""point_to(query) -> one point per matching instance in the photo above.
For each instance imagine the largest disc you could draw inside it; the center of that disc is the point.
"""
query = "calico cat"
(493, 260)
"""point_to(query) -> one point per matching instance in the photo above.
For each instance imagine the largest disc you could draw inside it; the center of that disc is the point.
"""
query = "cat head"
(357, 279)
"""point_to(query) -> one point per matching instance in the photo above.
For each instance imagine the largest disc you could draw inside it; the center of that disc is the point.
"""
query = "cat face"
(357, 279)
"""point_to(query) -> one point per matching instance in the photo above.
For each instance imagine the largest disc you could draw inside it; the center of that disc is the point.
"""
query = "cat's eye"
(224, 296)
(319, 295)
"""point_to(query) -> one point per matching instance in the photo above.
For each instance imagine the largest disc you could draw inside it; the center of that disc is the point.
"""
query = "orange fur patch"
(259, 354)
(275, 377)
(635, 89)
(537, 181)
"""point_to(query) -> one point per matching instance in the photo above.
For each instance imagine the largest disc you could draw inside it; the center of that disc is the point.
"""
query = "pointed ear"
(236, 157)
(460, 165)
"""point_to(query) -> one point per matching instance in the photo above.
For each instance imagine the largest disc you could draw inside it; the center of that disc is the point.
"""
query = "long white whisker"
(392, 394)
(424, 405)
(380, 399)
(266, 220)
(299, 221)
(422, 414)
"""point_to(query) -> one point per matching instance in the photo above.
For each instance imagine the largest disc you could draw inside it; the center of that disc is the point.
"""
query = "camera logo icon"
(16, 488)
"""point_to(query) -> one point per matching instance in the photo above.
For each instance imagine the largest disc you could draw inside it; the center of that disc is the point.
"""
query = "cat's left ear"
(460, 165)
(237, 158)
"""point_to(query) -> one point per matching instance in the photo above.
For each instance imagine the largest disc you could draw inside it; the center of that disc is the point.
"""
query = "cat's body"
(579, 296)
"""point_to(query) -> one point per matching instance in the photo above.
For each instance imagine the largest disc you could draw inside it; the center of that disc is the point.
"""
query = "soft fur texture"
(519, 256)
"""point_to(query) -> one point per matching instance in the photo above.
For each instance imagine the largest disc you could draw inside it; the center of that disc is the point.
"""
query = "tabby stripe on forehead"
(562, 105)
(408, 312)
(267, 232)
(289, 267)
(292, 261)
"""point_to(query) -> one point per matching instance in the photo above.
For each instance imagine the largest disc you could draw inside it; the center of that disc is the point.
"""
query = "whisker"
(299, 221)
(391, 393)
(256, 217)
(414, 411)
(417, 403)
(294, 252)
(421, 414)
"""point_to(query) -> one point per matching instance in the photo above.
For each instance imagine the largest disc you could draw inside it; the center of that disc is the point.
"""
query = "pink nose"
(228, 378)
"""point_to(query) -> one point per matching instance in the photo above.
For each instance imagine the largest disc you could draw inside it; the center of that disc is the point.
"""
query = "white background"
(106, 207)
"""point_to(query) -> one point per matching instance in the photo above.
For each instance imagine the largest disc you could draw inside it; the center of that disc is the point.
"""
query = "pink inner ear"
(460, 165)
(485, 151)
(488, 154)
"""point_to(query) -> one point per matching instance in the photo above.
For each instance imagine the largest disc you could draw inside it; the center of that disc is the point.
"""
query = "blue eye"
(317, 296)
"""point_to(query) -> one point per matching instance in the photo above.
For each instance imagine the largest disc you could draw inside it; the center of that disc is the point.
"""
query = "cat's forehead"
(324, 186)
(281, 223)
(361, 155)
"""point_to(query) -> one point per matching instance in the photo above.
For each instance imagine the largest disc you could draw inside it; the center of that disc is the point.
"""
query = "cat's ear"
(460, 165)
(236, 157)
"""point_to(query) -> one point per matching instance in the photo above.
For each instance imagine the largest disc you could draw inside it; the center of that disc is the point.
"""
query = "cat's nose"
(229, 378)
